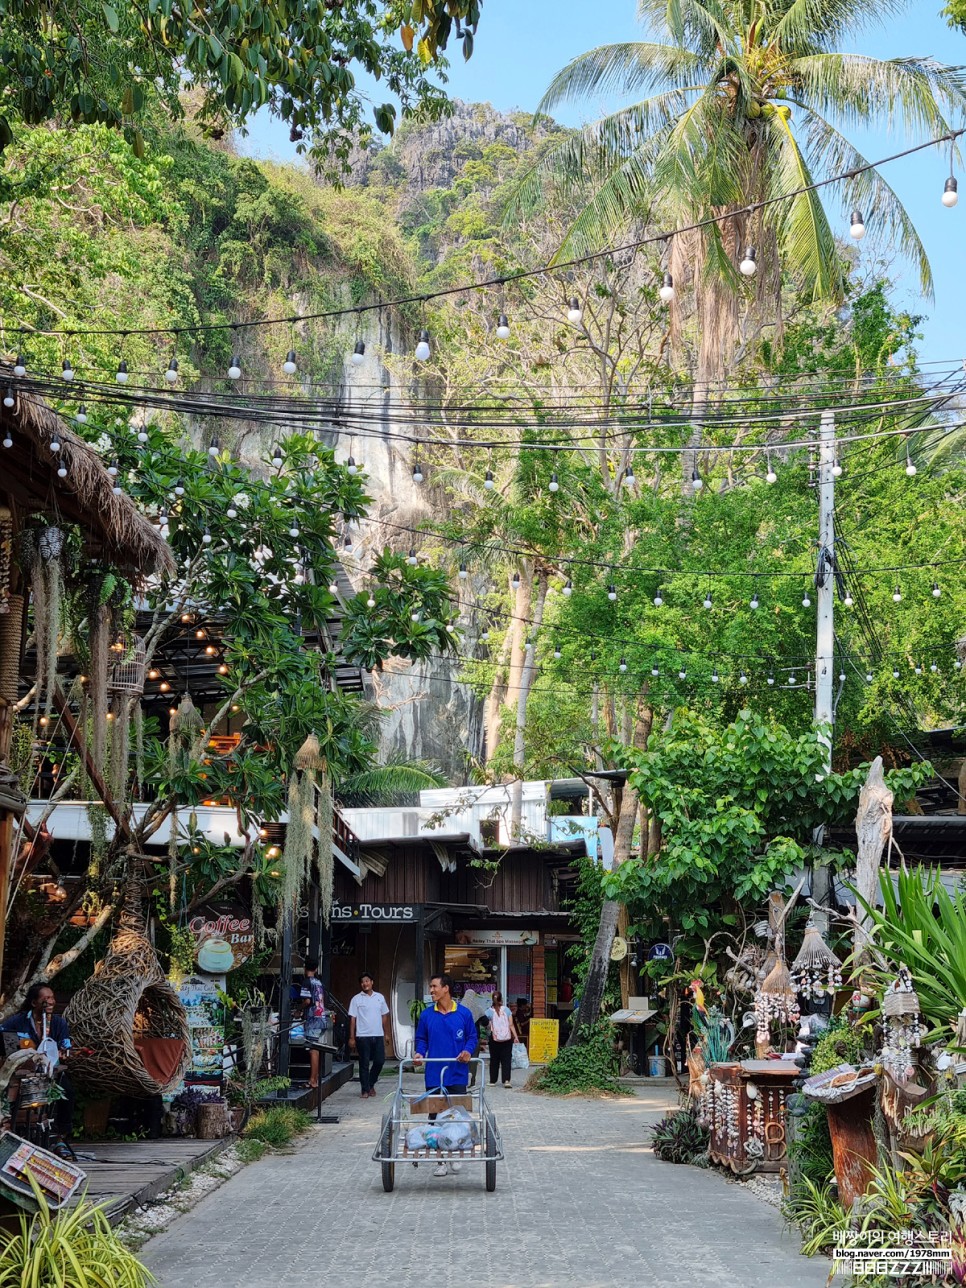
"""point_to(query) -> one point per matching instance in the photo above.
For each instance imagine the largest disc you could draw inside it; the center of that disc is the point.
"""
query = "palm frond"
(807, 242)
(700, 26)
(397, 782)
(854, 89)
(634, 67)
(821, 23)
(887, 218)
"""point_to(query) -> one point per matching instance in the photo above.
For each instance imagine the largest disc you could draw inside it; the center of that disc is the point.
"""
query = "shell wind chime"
(901, 1028)
(816, 972)
(775, 1002)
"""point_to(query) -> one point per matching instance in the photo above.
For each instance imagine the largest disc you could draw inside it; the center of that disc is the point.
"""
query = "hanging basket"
(126, 676)
(132, 1019)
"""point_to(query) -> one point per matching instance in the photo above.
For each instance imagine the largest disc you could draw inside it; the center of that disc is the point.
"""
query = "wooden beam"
(77, 738)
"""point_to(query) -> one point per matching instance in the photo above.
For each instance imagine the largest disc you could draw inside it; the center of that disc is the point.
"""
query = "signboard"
(199, 997)
(544, 1040)
(660, 953)
(224, 936)
(56, 1179)
(399, 913)
(498, 938)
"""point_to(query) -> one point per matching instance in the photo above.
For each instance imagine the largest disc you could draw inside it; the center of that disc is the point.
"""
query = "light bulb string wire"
(422, 298)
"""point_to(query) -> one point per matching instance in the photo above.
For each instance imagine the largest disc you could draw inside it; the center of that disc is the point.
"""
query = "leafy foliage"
(278, 1125)
(679, 1137)
(589, 1066)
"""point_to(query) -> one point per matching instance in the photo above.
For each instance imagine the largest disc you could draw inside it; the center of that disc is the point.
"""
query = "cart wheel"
(388, 1176)
(491, 1163)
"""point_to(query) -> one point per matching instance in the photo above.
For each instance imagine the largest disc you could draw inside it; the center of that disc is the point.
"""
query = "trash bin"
(657, 1066)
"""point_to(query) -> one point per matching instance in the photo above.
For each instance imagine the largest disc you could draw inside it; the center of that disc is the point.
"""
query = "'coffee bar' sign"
(376, 913)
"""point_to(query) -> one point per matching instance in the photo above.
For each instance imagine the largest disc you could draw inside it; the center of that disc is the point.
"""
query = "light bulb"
(754, 600)
(749, 266)
(117, 489)
(171, 375)
(333, 588)
(81, 416)
(503, 327)
(958, 665)
(658, 600)
(214, 447)
(848, 601)
(857, 228)
(179, 488)
(8, 398)
(771, 476)
(556, 651)
(895, 675)
(515, 581)
(290, 366)
(411, 558)
(910, 468)
(206, 538)
(62, 469)
(623, 665)
(655, 671)
(370, 602)
(682, 674)
(347, 542)
(936, 592)
(868, 677)
(806, 602)
(771, 679)
(553, 485)
(933, 667)
(417, 474)
(121, 374)
(422, 346)
(359, 353)
(611, 593)
(66, 371)
(351, 465)
(488, 481)
(7, 440)
(485, 634)
(918, 669)
(666, 290)
(231, 512)
(836, 470)
(142, 435)
(55, 445)
(792, 680)
(575, 313)
(277, 458)
(629, 479)
(294, 531)
(715, 677)
(463, 572)
(234, 371)
(742, 678)
(112, 469)
(568, 590)
(707, 600)
(897, 596)
(950, 192)
(697, 482)
(414, 615)
(20, 366)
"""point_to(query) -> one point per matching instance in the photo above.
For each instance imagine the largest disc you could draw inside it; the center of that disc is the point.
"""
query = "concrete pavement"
(581, 1202)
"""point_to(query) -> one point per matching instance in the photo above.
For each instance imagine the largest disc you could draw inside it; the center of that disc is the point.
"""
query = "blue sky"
(522, 43)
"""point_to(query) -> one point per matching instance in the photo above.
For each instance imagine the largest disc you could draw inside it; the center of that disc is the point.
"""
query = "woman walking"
(503, 1034)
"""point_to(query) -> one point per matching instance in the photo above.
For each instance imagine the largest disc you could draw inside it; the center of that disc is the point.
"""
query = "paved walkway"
(581, 1202)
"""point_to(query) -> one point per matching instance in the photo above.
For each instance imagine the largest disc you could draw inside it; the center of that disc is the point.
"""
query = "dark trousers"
(372, 1056)
(501, 1054)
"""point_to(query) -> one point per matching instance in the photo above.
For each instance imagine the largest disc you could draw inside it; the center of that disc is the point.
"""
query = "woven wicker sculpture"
(128, 1004)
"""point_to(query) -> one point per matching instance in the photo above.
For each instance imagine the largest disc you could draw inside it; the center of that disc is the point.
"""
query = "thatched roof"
(112, 525)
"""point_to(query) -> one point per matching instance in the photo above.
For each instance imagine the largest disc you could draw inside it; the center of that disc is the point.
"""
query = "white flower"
(241, 500)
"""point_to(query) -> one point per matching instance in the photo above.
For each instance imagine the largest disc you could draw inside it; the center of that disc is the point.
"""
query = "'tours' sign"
(375, 912)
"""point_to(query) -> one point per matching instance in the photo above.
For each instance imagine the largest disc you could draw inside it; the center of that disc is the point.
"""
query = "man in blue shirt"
(37, 1026)
(445, 1040)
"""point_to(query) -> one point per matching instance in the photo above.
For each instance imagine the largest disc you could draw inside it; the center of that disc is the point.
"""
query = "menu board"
(544, 1041)
(56, 1179)
(199, 997)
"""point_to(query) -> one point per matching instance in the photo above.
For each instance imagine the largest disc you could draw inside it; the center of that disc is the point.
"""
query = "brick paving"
(581, 1202)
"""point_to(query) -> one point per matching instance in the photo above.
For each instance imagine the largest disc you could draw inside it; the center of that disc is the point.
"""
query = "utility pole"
(825, 632)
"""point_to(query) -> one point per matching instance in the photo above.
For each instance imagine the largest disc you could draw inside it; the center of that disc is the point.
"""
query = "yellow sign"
(544, 1040)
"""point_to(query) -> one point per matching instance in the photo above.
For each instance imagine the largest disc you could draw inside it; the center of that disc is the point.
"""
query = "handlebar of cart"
(406, 1119)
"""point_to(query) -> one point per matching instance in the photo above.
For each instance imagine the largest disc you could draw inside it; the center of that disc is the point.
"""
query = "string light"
(20, 366)
(836, 470)
(568, 589)
(857, 228)
(8, 398)
(422, 346)
(333, 588)
(806, 602)
(503, 327)
(771, 476)
(715, 677)
(749, 265)
(910, 468)
(742, 678)
(142, 435)
(417, 473)
(623, 665)
(121, 374)
(554, 484)
(848, 601)
(515, 581)
(463, 572)
(370, 602)
(629, 479)
(655, 670)
(708, 602)
(792, 680)
(575, 313)
(206, 537)
(231, 512)
(682, 674)
(771, 680)
(666, 290)
(658, 598)
(62, 469)
(7, 440)
(556, 651)
(277, 457)
(933, 667)
(950, 192)
(754, 600)
(214, 447)
(66, 371)
(171, 375)
(411, 558)
(611, 592)
(868, 677)
(234, 371)
(897, 595)
(697, 482)
(936, 592)
(359, 353)
(81, 416)
(488, 481)
(112, 469)
(351, 466)
(290, 366)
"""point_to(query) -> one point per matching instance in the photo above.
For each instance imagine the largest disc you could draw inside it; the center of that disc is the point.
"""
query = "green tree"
(743, 103)
(97, 62)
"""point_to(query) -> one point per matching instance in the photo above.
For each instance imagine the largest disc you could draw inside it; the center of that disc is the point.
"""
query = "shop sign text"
(375, 912)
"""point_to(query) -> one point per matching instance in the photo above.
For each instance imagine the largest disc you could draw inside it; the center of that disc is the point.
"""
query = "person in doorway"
(503, 1034)
(369, 1032)
(314, 1019)
(521, 1018)
(445, 1042)
(39, 1028)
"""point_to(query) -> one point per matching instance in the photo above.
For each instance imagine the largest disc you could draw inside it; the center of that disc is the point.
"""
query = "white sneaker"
(456, 1167)
(441, 1170)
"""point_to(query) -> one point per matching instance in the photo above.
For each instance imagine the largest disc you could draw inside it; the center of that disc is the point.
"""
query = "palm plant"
(396, 782)
(743, 102)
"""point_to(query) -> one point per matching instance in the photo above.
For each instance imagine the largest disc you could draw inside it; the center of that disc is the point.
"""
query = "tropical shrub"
(680, 1137)
(591, 1065)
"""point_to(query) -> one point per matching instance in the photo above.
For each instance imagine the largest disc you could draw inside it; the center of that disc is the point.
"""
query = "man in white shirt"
(369, 1032)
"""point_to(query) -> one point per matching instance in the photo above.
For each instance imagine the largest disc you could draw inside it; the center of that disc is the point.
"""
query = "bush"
(590, 1066)
(250, 1150)
(278, 1125)
(680, 1138)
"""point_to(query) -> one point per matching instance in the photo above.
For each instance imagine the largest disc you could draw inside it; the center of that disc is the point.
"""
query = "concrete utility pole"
(825, 631)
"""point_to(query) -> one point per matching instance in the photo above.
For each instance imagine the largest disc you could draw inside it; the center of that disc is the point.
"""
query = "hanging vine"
(326, 850)
(299, 839)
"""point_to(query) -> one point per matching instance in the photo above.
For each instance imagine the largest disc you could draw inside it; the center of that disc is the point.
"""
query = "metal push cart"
(409, 1110)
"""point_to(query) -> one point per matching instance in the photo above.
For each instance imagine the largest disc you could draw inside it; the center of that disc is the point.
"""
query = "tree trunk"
(519, 741)
(873, 826)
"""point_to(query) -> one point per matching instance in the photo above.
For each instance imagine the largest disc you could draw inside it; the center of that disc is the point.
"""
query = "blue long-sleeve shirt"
(441, 1036)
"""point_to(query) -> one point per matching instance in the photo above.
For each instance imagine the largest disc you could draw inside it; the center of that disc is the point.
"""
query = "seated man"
(39, 1028)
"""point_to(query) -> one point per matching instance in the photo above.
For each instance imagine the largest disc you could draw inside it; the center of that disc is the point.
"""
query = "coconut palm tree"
(743, 102)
